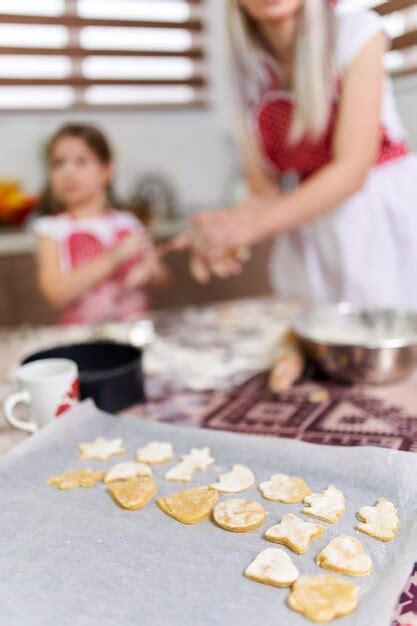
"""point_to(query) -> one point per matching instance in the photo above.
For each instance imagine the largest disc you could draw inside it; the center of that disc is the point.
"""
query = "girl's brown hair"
(95, 140)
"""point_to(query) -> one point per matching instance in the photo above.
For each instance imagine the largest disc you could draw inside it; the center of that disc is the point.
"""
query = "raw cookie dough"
(182, 472)
(294, 533)
(199, 457)
(273, 566)
(155, 452)
(196, 459)
(238, 515)
(345, 555)
(238, 479)
(71, 479)
(191, 506)
(132, 494)
(328, 506)
(287, 489)
(323, 598)
(124, 471)
(380, 521)
(101, 449)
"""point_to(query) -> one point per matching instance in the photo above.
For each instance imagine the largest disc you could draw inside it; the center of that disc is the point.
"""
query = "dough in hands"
(155, 452)
(191, 506)
(200, 458)
(294, 533)
(380, 521)
(287, 489)
(238, 479)
(273, 566)
(328, 506)
(125, 471)
(101, 449)
(132, 494)
(238, 515)
(323, 597)
(71, 479)
(345, 555)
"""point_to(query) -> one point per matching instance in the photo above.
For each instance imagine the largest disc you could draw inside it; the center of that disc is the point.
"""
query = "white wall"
(406, 92)
(193, 148)
(188, 147)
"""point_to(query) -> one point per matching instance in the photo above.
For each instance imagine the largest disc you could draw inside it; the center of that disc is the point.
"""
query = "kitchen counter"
(16, 242)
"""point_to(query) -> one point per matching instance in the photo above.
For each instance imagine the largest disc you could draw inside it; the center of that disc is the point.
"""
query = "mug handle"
(10, 403)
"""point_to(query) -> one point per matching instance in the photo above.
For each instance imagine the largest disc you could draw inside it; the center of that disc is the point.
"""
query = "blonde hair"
(313, 76)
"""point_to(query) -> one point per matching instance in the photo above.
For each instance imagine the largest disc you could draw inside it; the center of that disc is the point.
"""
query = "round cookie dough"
(238, 515)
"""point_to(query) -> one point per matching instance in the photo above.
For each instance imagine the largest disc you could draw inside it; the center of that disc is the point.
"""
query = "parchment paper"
(75, 558)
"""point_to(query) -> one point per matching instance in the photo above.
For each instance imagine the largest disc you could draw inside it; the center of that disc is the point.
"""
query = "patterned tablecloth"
(338, 414)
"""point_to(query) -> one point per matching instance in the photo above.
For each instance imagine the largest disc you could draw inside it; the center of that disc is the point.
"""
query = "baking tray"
(75, 558)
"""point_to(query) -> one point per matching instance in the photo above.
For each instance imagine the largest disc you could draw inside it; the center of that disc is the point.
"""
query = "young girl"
(317, 104)
(93, 260)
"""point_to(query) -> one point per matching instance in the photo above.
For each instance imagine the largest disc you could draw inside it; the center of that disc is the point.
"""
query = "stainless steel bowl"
(357, 344)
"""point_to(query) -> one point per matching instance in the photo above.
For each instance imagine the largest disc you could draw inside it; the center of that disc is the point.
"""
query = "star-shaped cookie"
(294, 533)
(101, 449)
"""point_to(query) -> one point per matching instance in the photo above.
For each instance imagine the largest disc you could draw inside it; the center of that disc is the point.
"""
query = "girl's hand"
(141, 274)
(149, 270)
(129, 247)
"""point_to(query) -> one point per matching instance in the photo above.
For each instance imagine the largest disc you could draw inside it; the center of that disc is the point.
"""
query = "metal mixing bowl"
(357, 344)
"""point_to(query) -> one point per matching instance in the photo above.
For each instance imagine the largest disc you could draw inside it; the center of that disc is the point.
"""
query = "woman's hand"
(220, 238)
(215, 232)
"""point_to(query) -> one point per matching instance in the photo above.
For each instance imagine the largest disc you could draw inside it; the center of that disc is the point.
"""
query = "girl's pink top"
(80, 241)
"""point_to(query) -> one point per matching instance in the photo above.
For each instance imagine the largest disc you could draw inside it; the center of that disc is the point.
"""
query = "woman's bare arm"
(355, 143)
(355, 146)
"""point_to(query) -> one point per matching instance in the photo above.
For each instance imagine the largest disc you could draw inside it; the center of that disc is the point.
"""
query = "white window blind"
(101, 53)
(400, 19)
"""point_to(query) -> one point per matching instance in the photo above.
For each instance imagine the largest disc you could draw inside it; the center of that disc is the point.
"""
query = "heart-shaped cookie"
(132, 494)
(345, 555)
(191, 506)
(273, 566)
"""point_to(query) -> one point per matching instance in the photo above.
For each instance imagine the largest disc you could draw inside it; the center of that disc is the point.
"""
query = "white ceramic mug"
(49, 387)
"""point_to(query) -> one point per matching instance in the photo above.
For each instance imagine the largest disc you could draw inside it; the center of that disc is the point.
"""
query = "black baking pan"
(110, 373)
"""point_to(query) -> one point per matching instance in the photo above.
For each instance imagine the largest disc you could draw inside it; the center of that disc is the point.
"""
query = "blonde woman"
(315, 102)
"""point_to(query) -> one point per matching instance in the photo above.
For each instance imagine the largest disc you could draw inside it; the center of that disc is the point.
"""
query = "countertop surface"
(220, 337)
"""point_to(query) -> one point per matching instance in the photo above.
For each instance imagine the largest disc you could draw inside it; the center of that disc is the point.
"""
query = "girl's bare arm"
(60, 289)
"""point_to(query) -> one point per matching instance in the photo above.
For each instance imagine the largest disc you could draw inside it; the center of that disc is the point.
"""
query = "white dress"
(365, 250)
